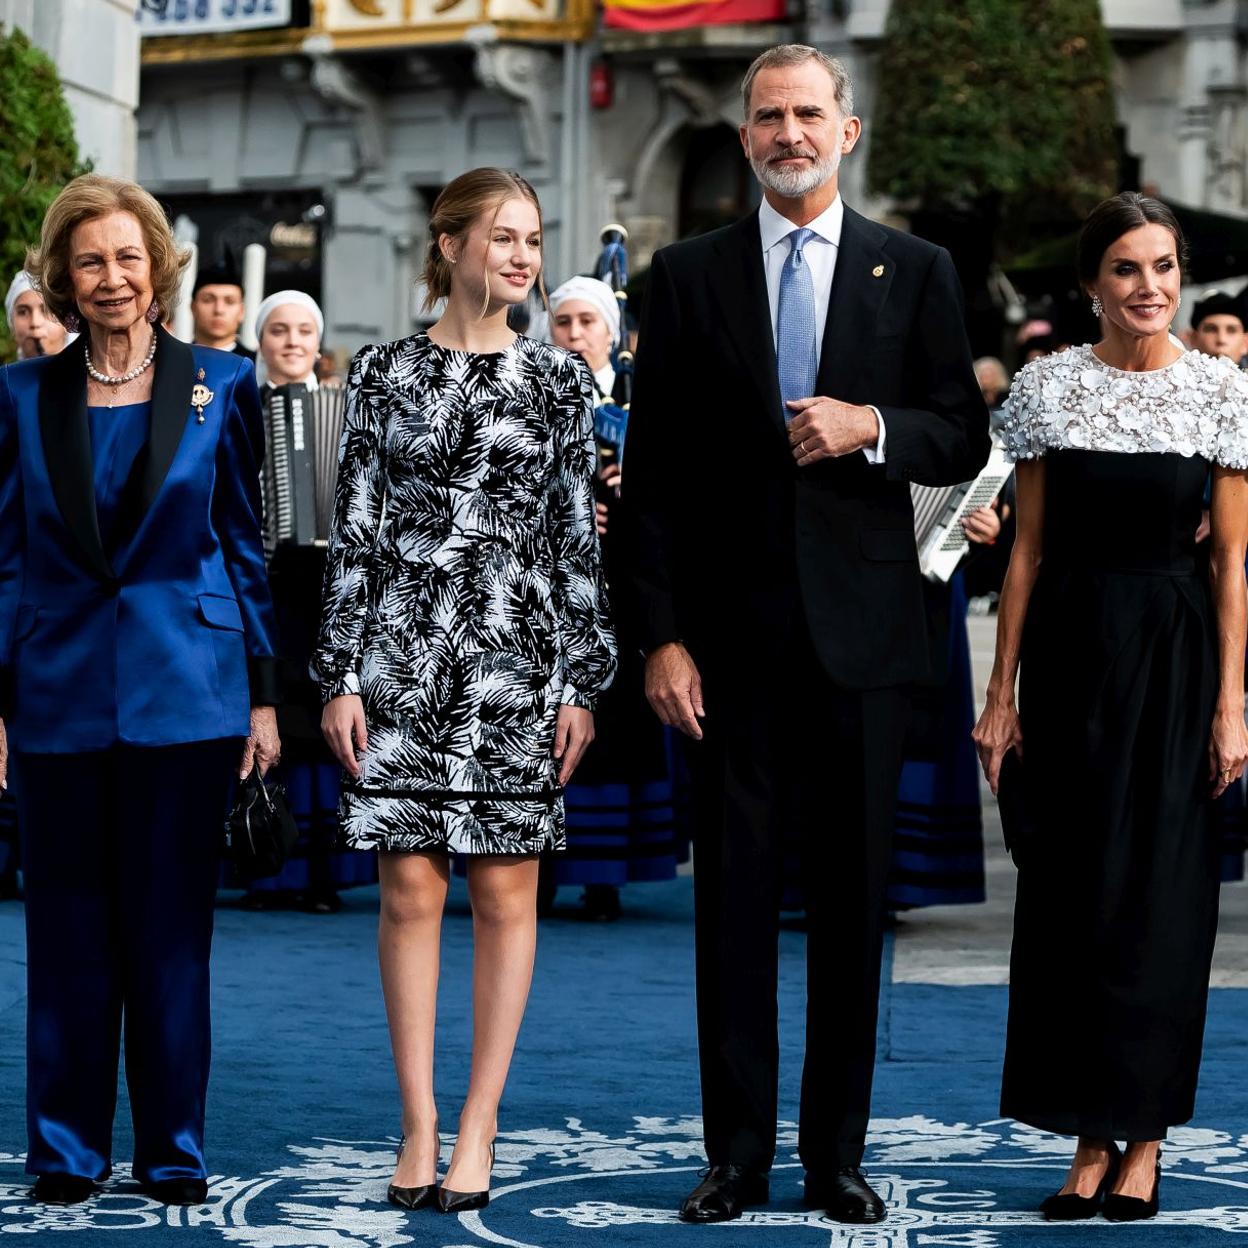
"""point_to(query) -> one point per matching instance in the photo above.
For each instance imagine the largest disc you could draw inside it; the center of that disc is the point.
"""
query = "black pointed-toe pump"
(410, 1197)
(462, 1202)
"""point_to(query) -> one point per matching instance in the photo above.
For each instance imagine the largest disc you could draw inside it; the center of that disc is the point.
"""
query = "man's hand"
(824, 428)
(674, 688)
(342, 726)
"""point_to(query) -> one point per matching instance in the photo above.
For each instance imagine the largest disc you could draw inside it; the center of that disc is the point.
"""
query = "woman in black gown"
(1132, 713)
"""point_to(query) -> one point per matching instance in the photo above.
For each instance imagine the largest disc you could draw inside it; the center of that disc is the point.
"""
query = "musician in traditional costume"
(218, 308)
(34, 329)
(621, 818)
(289, 326)
(1218, 329)
(138, 679)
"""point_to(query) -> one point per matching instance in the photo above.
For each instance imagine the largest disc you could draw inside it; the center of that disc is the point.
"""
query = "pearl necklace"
(105, 380)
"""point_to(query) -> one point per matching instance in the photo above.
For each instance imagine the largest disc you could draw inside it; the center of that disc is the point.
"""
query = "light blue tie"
(797, 352)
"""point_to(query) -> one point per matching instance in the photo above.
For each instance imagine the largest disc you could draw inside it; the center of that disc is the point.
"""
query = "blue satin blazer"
(176, 642)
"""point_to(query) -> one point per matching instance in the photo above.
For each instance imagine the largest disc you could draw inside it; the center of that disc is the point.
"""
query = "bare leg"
(1139, 1170)
(1088, 1168)
(504, 930)
(413, 893)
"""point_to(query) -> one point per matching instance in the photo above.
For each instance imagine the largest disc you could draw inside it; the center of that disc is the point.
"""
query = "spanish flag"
(676, 14)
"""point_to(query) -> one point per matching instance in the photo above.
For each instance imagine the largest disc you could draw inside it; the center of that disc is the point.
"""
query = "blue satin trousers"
(121, 850)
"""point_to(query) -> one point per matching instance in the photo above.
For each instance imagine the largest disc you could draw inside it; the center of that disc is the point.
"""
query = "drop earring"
(72, 322)
(1097, 307)
(153, 313)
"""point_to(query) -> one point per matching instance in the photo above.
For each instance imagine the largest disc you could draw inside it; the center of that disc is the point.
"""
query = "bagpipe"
(611, 416)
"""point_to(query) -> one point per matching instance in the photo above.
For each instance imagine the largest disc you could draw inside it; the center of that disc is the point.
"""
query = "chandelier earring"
(1097, 306)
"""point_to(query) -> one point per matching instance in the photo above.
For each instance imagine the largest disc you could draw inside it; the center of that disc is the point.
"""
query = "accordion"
(302, 430)
(938, 512)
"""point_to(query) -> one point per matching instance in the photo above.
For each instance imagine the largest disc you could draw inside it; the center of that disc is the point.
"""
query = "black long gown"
(1118, 892)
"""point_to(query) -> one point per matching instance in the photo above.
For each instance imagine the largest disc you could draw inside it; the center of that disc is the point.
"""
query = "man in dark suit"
(796, 372)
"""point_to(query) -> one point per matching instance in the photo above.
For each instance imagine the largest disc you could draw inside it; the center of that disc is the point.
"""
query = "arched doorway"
(716, 184)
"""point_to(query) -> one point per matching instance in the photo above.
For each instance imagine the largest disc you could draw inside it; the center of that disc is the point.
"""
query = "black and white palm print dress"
(464, 594)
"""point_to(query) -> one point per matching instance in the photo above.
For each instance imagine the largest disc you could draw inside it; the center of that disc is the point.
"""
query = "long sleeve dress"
(1117, 901)
(464, 594)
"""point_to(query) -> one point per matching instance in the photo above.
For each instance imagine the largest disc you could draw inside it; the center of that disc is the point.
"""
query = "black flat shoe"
(410, 1197)
(177, 1191)
(63, 1189)
(723, 1193)
(1132, 1208)
(1075, 1208)
(846, 1195)
(462, 1202)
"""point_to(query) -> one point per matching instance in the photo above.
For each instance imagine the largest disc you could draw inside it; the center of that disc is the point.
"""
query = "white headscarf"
(594, 291)
(283, 297)
(20, 284)
(17, 288)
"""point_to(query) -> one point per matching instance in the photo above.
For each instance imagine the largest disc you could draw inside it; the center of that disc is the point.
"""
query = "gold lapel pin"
(201, 396)
(878, 271)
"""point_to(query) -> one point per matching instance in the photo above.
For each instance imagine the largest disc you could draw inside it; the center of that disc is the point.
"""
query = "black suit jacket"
(723, 534)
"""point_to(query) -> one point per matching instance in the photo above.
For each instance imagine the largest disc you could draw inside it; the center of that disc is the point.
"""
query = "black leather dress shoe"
(178, 1191)
(63, 1189)
(845, 1195)
(723, 1193)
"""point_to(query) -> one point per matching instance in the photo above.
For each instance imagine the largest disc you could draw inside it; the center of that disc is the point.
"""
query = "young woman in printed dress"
(463, 645)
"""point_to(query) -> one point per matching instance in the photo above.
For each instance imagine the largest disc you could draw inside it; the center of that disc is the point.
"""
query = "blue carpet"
(600, 1137)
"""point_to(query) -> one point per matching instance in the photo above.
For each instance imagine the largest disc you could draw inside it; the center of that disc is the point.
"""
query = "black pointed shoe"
(1132, 1208)
(846, 1195)
(1075, 1208)
(410, 1197)
(723, 1193)
(63, 1189)
(178, 1191)
(462, 1202)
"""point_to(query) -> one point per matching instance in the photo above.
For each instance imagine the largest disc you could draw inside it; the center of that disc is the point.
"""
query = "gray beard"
(794, 183)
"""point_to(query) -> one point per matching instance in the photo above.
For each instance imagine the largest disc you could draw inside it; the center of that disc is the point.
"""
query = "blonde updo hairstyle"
(86, 199)
(461, 204)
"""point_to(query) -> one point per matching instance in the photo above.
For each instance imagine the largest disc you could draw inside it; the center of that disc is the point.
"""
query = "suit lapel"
(740, 287)
(66, 438)
(858, 294)
(171, 402)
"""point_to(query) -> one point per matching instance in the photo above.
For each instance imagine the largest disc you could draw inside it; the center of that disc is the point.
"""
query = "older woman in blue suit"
(136, 651)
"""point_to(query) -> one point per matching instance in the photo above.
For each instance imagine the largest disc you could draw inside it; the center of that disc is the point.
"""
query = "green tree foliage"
(38, 152)
(1003, 102)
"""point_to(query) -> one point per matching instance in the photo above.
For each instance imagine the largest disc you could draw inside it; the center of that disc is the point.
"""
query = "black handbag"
(261, 831)
(1018, 824)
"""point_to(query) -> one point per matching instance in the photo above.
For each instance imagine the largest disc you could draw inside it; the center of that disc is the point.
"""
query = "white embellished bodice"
(1072, 401)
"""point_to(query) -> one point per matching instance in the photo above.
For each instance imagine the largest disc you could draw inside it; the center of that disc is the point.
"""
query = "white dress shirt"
(820, 254)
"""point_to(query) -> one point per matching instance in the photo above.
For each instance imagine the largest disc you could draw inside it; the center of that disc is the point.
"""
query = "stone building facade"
(337, 135)
(95, 44)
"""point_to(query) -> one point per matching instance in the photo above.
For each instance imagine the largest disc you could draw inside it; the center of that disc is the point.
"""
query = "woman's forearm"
(1020, 580)
(1226, 574)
